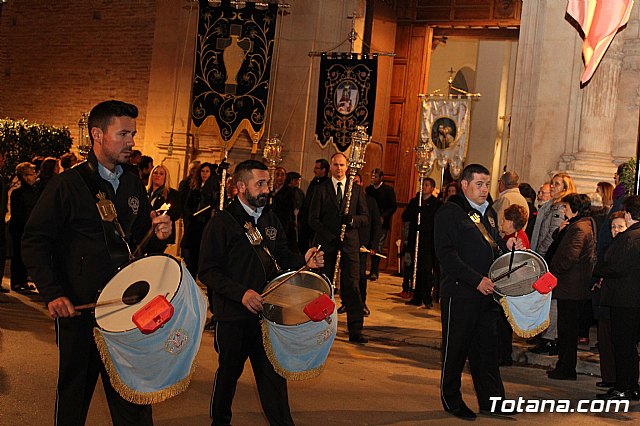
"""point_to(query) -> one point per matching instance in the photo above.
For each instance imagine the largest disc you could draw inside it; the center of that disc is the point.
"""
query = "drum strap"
(114, 235)
(475, 218)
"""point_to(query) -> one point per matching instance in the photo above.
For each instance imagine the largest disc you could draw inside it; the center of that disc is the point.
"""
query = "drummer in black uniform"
(71, 253)
(467, 241)
(237, 272)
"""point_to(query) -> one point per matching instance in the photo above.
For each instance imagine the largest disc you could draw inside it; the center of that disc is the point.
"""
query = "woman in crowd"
(160, 192)
(202, 200)
(605, 190)
(572, 258)
(22, 199)
(605, 345)
(621, 292)
(550, 216)
(48, 169)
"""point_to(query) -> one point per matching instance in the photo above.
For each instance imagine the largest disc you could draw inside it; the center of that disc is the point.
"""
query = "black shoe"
(373, 277)
(366, 311)
(546, 347)
(462, 412)
(358, 339)
(428, 305)
(535, 340)
(559, 375)
(342, 309)
(615, 394)
(4, 290)
(605, 384)
(413, 302)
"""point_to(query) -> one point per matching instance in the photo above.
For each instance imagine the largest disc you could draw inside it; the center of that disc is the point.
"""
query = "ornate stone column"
(592, 160)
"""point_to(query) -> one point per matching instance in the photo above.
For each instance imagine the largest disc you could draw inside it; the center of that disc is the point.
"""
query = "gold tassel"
(520, 332)
(289, 375)
(133, 396)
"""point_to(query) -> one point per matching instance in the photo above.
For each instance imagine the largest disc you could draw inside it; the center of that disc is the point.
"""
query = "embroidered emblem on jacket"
(134, 204)
(177, 341)
(271, 232)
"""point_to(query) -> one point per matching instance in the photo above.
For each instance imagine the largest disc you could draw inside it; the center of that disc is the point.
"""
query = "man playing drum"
(467, 242)
(71, 252)
(237, 272)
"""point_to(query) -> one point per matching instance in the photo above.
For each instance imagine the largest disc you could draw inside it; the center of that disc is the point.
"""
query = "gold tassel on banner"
(525, 334)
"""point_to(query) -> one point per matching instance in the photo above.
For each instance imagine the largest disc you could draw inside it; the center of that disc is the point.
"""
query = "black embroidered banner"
(234, 48)
(346, 98)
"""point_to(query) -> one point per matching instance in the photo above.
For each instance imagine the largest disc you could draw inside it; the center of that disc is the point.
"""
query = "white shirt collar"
(335, 183)
(253, 213)
(482, 208)
(112, 177)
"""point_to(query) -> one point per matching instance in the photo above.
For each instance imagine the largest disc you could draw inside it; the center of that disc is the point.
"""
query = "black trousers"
(568, 326)
(235, 341)
(79, 368)
(379, 246)
(469, 332)
(505, 337)
(349, 288)
(19, 273)
(605, 349)
(424, 276)
(624, 332)
(362, 281)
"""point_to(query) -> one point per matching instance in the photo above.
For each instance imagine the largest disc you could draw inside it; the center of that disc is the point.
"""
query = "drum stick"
(506, 274)
(513, 252)
(131, 300)
(363, 249)
(162, 211)
(202, 210)
(304, 268)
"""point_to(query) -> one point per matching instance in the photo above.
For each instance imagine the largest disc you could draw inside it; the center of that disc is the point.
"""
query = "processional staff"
(272, 153)
(424, 164)
(359, 141)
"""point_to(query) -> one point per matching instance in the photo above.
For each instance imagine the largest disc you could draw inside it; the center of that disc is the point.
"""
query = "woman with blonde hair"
(550, 216)
(159, 191)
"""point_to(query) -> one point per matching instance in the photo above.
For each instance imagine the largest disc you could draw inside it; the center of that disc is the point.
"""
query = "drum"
(296, 346)
(527, 266)
(285, 305)
(526, 309)
(135, 285)
(146, 368)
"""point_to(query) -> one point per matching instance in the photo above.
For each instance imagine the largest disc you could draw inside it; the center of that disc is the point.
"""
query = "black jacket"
(325, 217)
(386, 198)
(427, 219)
(229, 265)
(370, 235)
(65, 246)
(464, 255)
(620, 269)
(23, 201)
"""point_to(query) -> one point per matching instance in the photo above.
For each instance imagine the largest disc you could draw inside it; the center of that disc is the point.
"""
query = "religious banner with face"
(234, 48)
(346, 98)
(444, 124)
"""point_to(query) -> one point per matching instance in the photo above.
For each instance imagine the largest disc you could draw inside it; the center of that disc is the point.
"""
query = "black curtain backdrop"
(234, 49)
(346, 97)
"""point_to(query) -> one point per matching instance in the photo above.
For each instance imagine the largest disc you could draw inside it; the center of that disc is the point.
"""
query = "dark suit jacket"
(325, 217)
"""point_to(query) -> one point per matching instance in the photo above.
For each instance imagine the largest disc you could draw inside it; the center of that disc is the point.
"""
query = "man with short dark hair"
(71, 252)
(467, 242)
(145, 167)
(305, 233)
(326, 217)
(385, 196)
(426, 247)
(237, 273)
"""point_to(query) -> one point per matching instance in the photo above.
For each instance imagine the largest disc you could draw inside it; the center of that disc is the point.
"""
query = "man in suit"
(326, 217)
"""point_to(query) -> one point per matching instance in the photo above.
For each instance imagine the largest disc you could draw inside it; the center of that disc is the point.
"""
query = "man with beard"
(70, 253)
(237, 273)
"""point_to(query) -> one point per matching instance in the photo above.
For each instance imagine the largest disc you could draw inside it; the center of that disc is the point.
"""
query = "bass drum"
(527, 267)
(285, 305)
(133, 286)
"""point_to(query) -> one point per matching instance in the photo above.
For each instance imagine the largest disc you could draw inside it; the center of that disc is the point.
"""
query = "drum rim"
(120, 268)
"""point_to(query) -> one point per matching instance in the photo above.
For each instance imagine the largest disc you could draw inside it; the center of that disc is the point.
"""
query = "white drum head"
(153, 275)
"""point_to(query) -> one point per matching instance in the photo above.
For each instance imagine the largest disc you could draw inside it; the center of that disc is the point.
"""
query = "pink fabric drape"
(599, 20)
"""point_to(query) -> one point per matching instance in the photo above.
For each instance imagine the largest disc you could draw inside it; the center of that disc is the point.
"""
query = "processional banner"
(234, 49)
(346, 98)
(444, 124)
